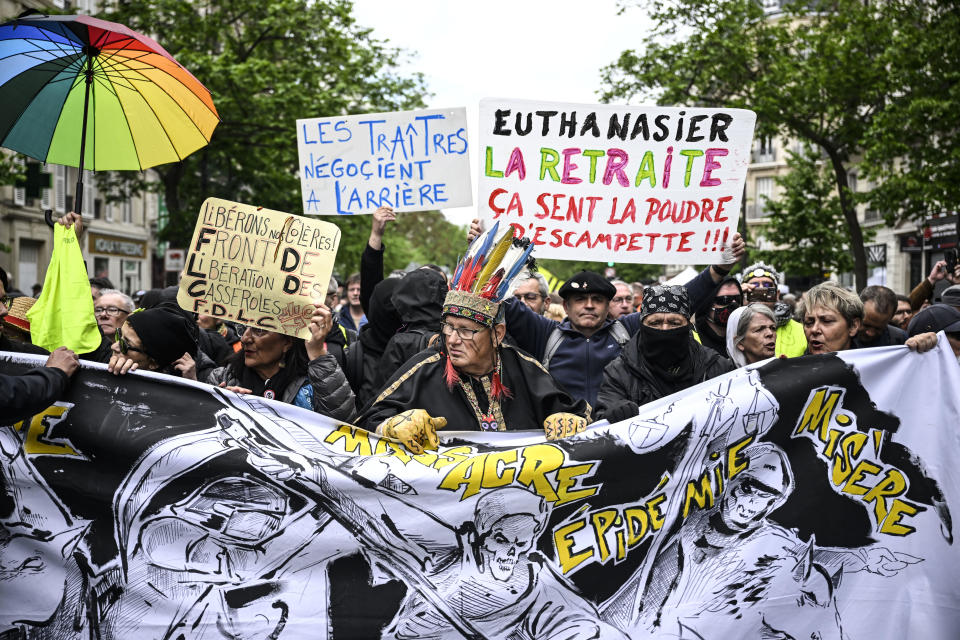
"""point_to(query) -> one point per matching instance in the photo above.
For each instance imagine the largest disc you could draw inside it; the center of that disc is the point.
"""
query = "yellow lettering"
(452, 456)
(467, 472)
(898, 509)
(656, 515)
(495, 473)
(634, 535)
(862, 470)
(383, 445)
(850, 447)
(538, 461)
(700, 492)
(603, 520)
(563, 542)
(35, 444)
(818, 412)
(566, 479)
(893, 484)
(735, 462)
(354, 440)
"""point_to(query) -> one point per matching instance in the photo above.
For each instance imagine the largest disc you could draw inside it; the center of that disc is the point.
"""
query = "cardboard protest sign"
(408, 160)
(258, 267)
(609, 182)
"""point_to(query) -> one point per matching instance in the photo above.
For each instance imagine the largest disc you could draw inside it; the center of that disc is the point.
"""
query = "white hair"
(127, 300)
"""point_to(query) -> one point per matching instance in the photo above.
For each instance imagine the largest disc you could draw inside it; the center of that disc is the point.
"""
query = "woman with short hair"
(751, 334)
(832, 316)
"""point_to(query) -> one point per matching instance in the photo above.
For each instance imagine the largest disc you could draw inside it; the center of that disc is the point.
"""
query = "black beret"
(588, 282)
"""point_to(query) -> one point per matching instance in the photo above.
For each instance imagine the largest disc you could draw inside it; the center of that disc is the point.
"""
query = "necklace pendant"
(488, 422)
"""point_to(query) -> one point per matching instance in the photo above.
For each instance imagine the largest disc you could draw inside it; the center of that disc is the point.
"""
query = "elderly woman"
(832, 317)
(298, 372)
(751, 334)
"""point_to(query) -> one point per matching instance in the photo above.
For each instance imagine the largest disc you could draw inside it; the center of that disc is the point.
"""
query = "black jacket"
(363, 358)
(629, 378)
(421, 384)
(418, 299)
(28, 394)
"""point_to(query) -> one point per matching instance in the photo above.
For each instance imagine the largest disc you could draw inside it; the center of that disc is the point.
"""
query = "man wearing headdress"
(474, 381)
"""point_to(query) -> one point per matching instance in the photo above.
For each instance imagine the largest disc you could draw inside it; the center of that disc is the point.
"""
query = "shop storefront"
(124, 260)
(928, 244)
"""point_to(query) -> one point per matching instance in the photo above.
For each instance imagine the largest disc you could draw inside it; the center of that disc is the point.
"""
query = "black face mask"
(665, 349)
(722, 314)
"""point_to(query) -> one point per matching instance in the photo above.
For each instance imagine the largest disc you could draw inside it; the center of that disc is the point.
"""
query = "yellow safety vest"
(791, 340)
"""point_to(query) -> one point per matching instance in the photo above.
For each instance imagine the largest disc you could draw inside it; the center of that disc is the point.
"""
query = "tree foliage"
(266, 64)
(912, 151)
(807, 222)
(839, 77)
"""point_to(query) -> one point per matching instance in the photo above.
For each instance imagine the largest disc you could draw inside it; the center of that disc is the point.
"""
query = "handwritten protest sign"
(408, 160)
(606, 182)
(258, 267)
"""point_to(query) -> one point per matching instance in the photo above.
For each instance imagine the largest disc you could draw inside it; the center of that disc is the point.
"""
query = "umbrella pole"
(78, 201)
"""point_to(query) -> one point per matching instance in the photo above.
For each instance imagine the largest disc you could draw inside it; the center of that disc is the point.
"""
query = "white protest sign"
(408, 160)
(258, 267)
(615, 183)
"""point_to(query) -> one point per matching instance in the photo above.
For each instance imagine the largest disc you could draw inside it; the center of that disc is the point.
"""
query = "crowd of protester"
(403, 354)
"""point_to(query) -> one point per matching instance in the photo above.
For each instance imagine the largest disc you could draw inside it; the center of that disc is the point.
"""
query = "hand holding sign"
(320, 324)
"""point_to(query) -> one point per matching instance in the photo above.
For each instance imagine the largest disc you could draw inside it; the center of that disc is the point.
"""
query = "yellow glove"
(561, 425)
(414, 428)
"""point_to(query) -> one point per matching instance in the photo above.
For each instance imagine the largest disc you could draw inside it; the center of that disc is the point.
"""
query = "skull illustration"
(506, 543)
(508, 522)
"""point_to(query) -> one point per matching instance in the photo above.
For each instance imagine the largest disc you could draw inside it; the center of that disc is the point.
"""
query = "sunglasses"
(726, 301)
(124, 345)
(7, 301)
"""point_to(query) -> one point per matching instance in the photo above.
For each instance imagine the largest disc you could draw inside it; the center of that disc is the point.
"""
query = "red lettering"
(515, 204)
(493, 205)
(654, 207)
(542, 201)
(720, 203)
(684, 238)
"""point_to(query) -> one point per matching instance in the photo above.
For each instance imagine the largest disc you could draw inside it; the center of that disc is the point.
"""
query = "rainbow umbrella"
(66, 80)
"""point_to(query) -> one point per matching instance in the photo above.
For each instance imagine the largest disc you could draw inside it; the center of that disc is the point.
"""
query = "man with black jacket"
(30, 393)
(711, 321)
(661, 359)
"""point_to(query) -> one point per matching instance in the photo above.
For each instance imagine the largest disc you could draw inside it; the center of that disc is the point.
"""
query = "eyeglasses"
(7, 301)
(529, 297)
(764, 285)
(622, 299)
(124, 345)
(726, 301)
(257, 333)
(110, 311)
(465, 333)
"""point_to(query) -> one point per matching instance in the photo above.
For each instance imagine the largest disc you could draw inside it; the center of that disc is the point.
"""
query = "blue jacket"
(346, 320)
(578, 363)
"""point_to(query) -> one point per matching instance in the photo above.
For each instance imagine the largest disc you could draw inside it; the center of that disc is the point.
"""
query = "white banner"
(615, 183)
(803, 498)
(408, 160)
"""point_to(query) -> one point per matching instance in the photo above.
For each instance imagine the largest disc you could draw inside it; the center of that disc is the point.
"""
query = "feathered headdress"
(481, 280)
(483, 276)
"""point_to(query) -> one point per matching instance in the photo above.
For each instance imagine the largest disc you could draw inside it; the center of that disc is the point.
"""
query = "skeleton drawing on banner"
(493, 577)
(36, 542)
(691, 579)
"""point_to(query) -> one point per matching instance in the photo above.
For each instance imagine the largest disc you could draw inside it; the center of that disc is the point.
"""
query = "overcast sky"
(532, 49)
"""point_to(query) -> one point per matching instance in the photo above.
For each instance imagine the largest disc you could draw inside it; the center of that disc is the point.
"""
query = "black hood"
(382, 318)
(703, 359)
(418, 298)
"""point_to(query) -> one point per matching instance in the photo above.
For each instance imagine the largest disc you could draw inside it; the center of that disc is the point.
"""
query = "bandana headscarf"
(665, 299)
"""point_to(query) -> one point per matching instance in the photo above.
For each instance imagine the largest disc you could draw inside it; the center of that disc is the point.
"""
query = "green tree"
(818, 76)
(912, 149)
(806, 221)
(266, 64)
